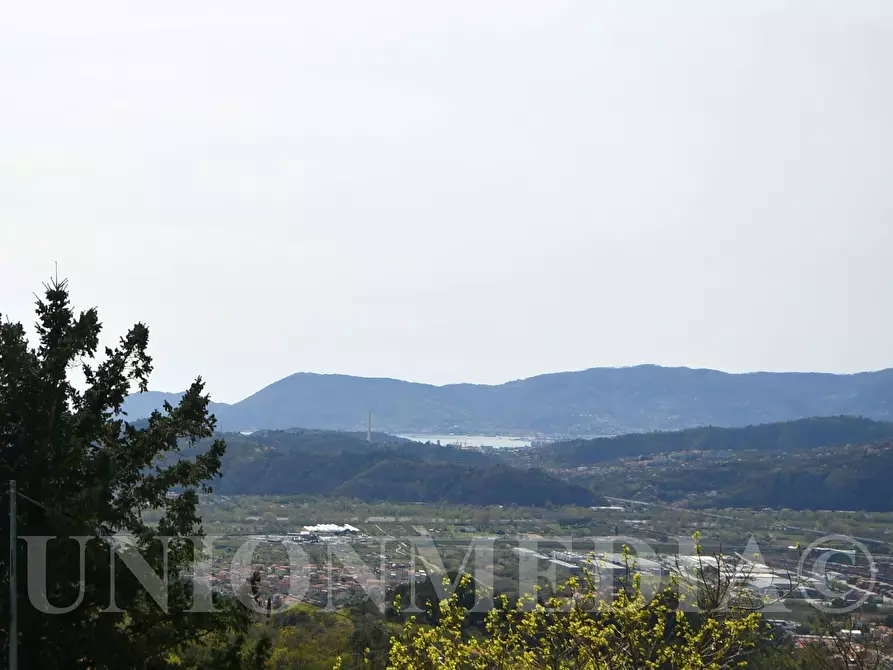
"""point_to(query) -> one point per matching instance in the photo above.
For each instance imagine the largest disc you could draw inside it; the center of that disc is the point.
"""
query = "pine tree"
(83, 470)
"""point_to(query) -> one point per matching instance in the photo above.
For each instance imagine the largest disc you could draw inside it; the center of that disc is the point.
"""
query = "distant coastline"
(497, 442)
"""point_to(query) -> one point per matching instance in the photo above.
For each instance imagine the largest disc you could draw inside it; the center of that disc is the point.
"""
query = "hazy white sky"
(455, 191)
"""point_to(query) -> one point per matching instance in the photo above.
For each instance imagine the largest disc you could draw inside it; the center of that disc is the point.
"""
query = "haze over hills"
(598, 401)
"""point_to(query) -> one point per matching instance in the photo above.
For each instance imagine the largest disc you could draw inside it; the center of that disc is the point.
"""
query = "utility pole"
(13, 581)
(369, 428)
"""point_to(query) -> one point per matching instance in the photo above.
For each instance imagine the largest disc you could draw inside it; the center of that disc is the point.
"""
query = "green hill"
(803, 434)
(315, 462)
(840, 478)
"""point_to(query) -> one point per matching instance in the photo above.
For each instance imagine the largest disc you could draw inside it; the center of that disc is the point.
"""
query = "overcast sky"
(455, 191)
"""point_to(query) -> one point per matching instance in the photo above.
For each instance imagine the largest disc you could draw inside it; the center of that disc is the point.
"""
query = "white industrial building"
(331, 529)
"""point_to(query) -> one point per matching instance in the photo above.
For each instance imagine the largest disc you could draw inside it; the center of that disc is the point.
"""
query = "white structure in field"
(331, 529)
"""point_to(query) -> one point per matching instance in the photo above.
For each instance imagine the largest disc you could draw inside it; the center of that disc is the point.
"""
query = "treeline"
(315, 462)
(308, 637)
(803, 434)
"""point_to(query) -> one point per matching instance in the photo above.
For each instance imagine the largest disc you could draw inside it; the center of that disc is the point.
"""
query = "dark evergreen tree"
(82, 470)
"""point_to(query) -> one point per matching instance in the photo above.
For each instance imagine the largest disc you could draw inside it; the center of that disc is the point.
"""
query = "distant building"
(331, 529)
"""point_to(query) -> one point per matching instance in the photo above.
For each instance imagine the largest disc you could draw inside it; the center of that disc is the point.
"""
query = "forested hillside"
(844, 478)
(599, 401)
(317, 462)
(803, 434)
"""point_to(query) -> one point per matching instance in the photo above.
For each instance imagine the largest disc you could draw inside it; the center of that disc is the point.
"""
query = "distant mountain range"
(598, 401)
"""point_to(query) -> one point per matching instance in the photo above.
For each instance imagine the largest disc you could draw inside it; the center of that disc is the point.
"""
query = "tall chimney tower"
(369, 429)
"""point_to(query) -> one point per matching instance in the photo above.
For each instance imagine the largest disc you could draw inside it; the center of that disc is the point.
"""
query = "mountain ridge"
(595, 401)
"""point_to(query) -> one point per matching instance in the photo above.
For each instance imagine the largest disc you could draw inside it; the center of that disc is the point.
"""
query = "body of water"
(472, 440)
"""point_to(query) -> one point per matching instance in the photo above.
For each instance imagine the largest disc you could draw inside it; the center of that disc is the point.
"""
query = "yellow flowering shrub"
(581, 629)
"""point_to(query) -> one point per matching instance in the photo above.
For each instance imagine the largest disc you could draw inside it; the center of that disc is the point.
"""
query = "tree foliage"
(82, 470)
(582, 630)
